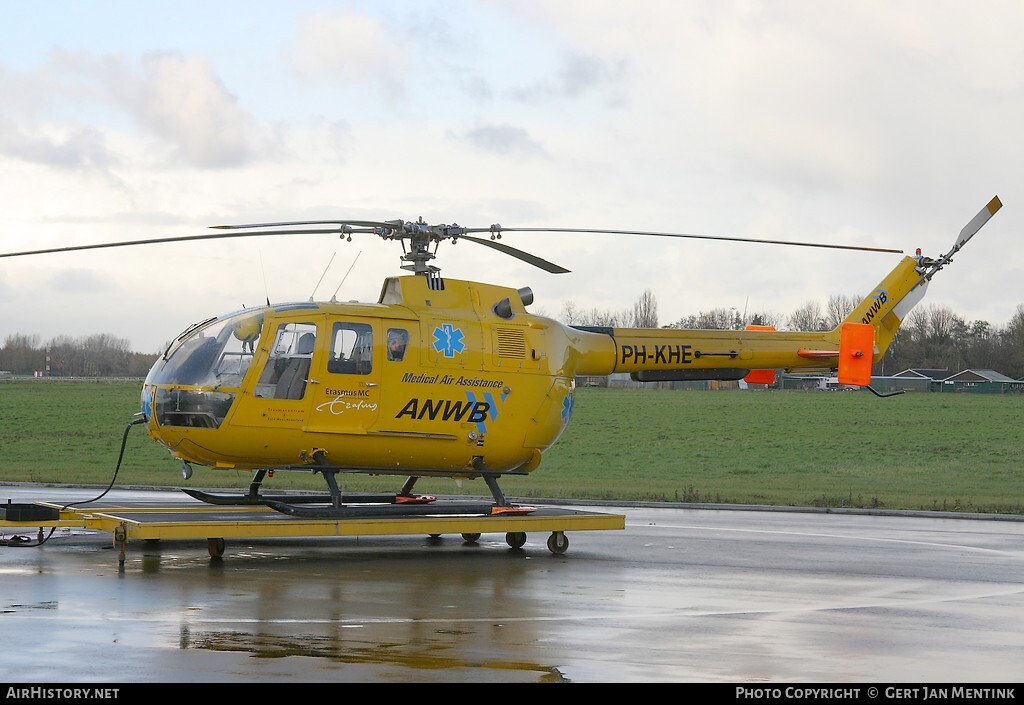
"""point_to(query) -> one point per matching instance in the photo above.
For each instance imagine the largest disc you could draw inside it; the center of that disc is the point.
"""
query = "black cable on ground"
(139, 418)
(23, 541)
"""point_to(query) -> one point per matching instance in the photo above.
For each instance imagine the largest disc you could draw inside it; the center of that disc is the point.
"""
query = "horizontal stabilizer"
(815, 354)
(760, 377)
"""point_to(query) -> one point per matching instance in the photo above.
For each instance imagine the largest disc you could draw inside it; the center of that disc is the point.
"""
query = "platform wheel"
(434, 536)
(516, 539)
(558, 542)
(121, 540)
(215, 547)
(471, 538)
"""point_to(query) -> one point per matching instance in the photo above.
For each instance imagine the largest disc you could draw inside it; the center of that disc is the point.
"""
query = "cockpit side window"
(287, 370)
(351, 349)
(398, 340)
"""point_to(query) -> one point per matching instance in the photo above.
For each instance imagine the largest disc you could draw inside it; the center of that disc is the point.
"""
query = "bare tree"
(66, 359)
(981, 346)
(645, 311)
(767, 318)
(1012, 347)
(807, 317)
(596, 317)
(942, 323)
(715, 319)
(22, 354)
(570, 314)
(838, 308)
(106, 354)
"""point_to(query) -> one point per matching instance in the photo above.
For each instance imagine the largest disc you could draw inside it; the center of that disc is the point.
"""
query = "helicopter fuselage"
(440, 377)
(317, 383)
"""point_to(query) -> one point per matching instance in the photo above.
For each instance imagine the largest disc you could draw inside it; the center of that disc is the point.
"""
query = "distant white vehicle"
(831, 384)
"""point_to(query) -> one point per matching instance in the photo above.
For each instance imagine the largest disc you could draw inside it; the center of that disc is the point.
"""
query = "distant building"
(978, 376)
(909, 380)
(923, 373)
(980, 381)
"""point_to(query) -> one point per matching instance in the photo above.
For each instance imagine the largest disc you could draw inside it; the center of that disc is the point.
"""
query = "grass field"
(947, 452)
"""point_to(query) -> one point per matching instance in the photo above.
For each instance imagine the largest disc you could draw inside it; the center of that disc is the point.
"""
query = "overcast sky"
(877, 124)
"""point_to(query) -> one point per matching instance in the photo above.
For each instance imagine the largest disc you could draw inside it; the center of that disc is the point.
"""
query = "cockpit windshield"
(214, 355)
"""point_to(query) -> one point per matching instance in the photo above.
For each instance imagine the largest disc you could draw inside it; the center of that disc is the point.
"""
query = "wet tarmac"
(682, 595)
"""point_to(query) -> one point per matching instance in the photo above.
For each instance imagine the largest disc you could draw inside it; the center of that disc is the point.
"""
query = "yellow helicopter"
(447, 378)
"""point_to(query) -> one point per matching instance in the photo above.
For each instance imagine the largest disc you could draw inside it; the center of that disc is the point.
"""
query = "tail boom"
(660, 354)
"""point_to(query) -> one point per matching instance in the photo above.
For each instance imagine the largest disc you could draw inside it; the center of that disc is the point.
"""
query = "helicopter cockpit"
(198, 376)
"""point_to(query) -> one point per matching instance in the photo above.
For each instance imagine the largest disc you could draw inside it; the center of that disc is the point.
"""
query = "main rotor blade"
(183, 238)
(344, 227)
(361, 223)
(519, 254)
(696, 237)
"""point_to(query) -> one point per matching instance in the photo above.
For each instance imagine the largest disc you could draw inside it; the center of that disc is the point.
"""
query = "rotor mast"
(420, 236)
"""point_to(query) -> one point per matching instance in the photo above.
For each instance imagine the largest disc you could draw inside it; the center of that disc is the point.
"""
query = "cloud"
(32, 131)
(505, 140)
(174, 97)
(79, 282)
(347, 48)
(579, 75)
(67, 148)
(181, 99)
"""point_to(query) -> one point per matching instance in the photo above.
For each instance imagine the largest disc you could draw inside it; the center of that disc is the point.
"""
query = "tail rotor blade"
(930, 267)
(975, 225)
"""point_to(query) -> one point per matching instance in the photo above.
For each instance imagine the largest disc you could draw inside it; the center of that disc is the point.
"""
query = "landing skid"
(248, 500)
(395, 510)
(337, 505)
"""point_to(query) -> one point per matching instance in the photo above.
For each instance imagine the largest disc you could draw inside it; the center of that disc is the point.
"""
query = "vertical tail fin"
(889, 303)
(887, 306)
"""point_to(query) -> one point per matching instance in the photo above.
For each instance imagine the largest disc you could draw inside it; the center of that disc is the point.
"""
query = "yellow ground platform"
(197, 520)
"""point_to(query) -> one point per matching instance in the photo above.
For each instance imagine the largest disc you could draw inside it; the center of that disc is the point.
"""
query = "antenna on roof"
(334, 298)
(266, 289)
(322, 276)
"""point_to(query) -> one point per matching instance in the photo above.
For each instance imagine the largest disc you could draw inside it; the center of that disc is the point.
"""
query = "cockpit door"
(286, 380)
(346, 398)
